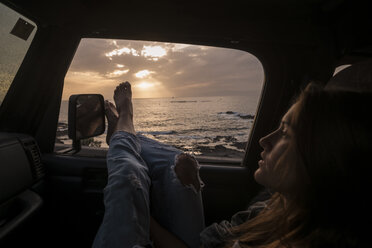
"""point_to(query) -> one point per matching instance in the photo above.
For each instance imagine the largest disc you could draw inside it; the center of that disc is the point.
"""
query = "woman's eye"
(283, 130)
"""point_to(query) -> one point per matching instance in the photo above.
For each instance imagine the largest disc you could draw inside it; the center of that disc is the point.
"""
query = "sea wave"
(154, 133)
(217, 130)
(181, 101)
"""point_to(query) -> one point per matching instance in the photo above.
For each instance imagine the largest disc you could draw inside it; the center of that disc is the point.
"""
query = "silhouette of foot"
(112, 116)
(123, 101)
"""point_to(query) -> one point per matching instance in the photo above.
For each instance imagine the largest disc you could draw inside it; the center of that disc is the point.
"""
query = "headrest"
(357, 77)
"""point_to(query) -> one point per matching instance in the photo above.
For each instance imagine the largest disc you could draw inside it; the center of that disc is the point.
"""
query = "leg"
(176, 201)
(175, 192)
(126, 222)
(112, 116)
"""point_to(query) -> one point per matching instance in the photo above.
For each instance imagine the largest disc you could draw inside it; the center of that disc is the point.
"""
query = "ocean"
(198, 125)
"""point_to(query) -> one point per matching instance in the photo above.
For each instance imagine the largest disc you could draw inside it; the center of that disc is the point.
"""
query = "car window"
(199, 99)
(16, 35)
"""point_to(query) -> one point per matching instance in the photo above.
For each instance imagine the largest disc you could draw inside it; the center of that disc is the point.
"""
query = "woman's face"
(276, 147)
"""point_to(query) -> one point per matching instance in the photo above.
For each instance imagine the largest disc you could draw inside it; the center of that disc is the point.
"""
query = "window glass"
(197, 98)
(16, 34)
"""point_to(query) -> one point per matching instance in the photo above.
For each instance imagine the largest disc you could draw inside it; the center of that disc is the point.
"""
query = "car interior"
(55, 199)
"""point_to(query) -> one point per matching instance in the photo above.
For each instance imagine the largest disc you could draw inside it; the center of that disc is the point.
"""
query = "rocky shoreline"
(220, 146)
(220, 151)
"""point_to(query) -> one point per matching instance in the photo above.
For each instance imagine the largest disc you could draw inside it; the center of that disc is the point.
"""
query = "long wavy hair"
(333, 154)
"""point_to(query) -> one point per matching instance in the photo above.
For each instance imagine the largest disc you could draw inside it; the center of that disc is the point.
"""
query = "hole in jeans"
(187, 170)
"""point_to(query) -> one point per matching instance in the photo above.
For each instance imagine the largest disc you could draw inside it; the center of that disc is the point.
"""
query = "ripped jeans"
(142, 182)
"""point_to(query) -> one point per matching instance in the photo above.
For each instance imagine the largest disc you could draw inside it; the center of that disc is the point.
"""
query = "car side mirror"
(86, 118)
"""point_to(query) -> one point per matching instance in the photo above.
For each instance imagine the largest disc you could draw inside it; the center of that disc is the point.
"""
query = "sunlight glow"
(153, 52)
(143, 73)
(119, 65)
(150, 89)
(144, 85)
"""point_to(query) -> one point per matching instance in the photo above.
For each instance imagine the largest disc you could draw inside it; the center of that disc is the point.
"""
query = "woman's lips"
(261, 163)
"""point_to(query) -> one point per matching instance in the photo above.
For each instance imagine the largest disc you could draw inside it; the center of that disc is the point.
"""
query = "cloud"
(117, 73)
(123, 50)
(143, 73)
(153, 52)
(177, 69)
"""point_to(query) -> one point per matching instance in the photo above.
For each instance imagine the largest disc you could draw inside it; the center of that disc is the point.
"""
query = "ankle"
(125, 124)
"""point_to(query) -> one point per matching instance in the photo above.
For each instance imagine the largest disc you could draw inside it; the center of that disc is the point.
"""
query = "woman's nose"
(262, 141)
(265, 141)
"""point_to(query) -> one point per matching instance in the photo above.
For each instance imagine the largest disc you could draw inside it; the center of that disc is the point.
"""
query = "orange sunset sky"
(157, 69)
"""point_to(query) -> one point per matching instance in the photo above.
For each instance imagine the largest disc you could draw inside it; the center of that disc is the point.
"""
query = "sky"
(157, 69)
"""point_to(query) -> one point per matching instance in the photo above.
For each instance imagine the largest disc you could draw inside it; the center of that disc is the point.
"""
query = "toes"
(123, 88)
(120, 87)
(127, 86)
(111, 105)
(116, 91)
(107, 104)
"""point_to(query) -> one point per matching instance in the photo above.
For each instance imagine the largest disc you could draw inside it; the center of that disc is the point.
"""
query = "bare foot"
(123, 101)
(112, 116)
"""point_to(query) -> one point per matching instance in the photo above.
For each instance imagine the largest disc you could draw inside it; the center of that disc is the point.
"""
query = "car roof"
(235, 24)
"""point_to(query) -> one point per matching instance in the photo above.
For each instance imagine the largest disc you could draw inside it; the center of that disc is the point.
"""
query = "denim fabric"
(141, 180)
(176, 207)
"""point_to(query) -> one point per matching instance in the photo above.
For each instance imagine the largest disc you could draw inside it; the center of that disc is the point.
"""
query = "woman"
(316, 162)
